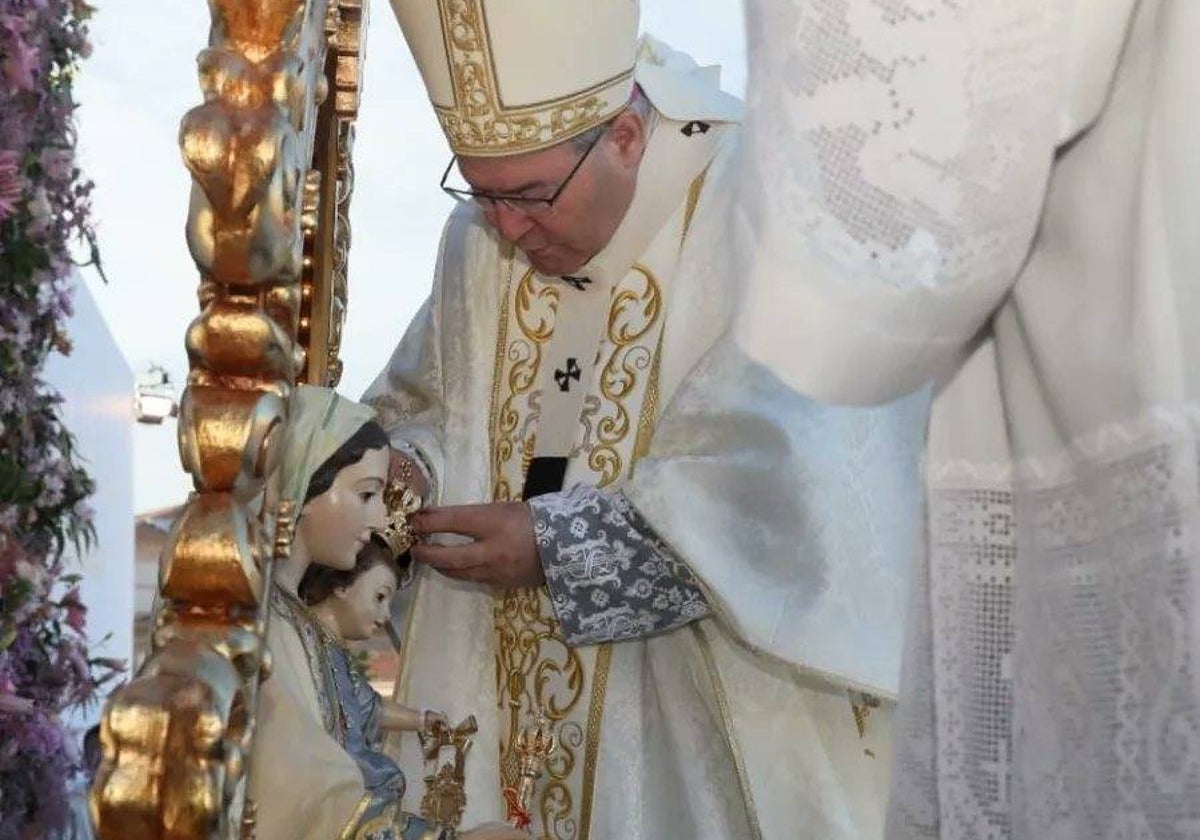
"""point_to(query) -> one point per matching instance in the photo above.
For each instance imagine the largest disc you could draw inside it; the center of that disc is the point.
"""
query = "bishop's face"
(336, 524)
(362, 608)
(560, 239)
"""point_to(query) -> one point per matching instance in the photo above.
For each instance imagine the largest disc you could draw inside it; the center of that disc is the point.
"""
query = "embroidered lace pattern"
(1050, 687)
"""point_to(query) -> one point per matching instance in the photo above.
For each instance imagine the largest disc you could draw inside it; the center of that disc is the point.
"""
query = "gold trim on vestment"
(710, 664)
(648, 419)
(535, 303)
(631, 316)
(497, 372)
(536, 670)
(480, 124)
(591, 753)
(649, 416)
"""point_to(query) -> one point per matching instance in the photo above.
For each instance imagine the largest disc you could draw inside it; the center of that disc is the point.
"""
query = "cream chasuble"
(735, 726)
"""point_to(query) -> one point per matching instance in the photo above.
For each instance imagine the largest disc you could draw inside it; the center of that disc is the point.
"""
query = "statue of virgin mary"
(303, 782)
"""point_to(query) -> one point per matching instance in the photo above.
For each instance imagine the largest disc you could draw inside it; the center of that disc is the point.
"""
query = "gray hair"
(638, 104)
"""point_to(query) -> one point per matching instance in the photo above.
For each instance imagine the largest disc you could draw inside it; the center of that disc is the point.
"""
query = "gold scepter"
(533, 747)
(445, 796)
(401, 502)
(445, 789)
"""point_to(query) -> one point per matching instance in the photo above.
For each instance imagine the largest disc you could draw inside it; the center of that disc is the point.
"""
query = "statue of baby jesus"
(352, 605)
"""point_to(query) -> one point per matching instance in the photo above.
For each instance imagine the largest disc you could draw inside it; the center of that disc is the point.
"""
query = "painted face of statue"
(362, 608)
(337, 523)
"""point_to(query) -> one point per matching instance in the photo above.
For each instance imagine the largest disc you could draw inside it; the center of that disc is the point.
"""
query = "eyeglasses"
(529, 206)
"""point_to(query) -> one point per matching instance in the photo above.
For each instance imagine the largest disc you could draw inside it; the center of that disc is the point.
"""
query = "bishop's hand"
(502, 553)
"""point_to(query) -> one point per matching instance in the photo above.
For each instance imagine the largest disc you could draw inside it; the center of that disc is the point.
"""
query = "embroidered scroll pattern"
(636, 309)
(536, 671)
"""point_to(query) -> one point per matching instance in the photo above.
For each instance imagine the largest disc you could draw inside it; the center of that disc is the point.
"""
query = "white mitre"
(513, 76)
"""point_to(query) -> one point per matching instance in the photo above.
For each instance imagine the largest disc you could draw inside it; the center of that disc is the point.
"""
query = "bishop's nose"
(509, 223)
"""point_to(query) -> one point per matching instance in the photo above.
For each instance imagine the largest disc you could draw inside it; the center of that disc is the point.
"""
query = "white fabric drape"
(1003, 197)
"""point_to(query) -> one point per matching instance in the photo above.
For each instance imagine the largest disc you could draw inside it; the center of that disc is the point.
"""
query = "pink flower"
(21, 63)
(76, 611)
(11, 704)
(32, 574)
(57, 163)
(40, 213)
(12, 184)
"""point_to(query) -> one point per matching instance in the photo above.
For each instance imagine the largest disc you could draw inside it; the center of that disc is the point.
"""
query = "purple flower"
(12, 184)
(44, 664)
(76, 611)
(21, 60)
(41, 214)
(58, 164)
(83, 511)
(32, 574)
(11, 704)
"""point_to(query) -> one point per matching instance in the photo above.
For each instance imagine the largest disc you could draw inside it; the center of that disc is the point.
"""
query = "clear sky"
(140, 82)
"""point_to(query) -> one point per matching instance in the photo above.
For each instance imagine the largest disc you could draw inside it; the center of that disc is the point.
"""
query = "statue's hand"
(494, 831)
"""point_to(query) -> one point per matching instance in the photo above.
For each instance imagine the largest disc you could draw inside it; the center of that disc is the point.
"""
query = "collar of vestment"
(676, 153)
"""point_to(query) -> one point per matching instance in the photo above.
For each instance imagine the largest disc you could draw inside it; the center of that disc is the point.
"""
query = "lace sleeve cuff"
(609, 575)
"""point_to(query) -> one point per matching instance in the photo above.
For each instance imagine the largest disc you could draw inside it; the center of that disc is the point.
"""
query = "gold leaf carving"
(267, 228)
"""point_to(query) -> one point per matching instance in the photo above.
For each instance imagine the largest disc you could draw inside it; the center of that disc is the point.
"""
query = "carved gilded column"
(268, 150)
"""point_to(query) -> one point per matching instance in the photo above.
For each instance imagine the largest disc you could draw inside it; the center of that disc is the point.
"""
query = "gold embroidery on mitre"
(480, 124)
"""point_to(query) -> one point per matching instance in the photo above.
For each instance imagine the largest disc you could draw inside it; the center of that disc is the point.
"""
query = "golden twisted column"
(267, 227)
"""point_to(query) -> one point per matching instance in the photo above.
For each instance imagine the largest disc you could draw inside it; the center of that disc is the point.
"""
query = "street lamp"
(154, 397)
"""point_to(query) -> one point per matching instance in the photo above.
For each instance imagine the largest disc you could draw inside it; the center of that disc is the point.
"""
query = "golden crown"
(402, 502)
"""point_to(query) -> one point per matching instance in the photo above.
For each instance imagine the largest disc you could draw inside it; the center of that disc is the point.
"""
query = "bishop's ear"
(628, 134)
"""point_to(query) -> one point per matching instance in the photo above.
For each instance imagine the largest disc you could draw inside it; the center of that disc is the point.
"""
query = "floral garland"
(45, 668)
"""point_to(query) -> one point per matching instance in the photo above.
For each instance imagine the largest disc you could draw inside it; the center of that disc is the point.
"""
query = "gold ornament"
(445, 789)
(267, 151)
(533, 747)
(402, 502)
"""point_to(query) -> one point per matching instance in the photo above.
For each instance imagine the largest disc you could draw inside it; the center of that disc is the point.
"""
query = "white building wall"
(98, 386)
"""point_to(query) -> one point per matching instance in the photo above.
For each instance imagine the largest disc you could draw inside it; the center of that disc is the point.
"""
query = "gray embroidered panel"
(610, 576)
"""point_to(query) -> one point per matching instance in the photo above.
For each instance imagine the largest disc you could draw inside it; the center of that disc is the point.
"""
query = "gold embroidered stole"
(537, 673)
